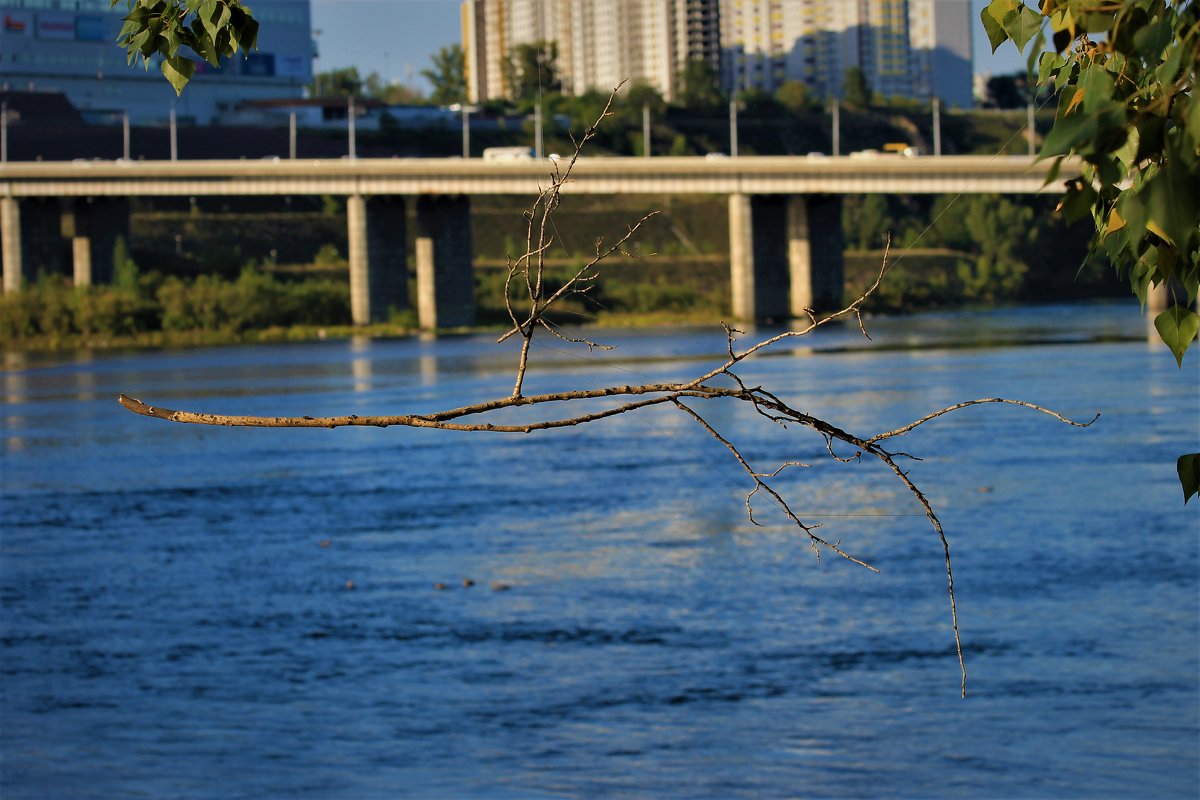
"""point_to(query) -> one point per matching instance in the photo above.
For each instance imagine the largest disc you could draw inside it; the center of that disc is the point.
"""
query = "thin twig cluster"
(526, 273)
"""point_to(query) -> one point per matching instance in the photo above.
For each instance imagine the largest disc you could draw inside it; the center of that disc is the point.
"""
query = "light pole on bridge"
(937, 126)
(733, 142)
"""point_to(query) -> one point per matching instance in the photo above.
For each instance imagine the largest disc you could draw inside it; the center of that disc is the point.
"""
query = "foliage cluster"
(676, 290)
(155, 30)
(348, 82)
(52, 312)
(988, 264)
(1124, 73)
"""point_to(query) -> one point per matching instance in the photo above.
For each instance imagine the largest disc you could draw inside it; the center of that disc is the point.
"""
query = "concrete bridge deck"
(882, 174)
(784, 214)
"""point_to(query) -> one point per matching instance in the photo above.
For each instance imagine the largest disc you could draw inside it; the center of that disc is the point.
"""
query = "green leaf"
(178, 71)
(991, 25)
(1188, 467)
(1098, 22)
(1097, 85)
(1086, 133)
(1023, 26)
(245, 30)
(1049, 65)
(171, 37)
(207, 15)
(1191, 119)
(1126, 153)
(1052, 173)
(1078, 202)
(1140, 275)
(1151, 130)
(1134, 21)
(204, 45)
(1167, 70)
(1177, 326)
(1108, 169)
(1170, 199)
(1150, 40)
(1062, 40)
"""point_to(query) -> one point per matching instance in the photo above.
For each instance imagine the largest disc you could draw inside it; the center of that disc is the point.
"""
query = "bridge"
(784, 214)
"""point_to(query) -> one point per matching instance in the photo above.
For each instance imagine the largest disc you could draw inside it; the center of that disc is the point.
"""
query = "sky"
(397, 38)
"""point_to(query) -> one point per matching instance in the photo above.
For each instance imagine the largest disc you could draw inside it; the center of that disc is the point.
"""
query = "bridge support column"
(758, 256)
(378, 261)
(10, 243)
(445, 279)
(94, 226)
(30, 239)
(815, 245)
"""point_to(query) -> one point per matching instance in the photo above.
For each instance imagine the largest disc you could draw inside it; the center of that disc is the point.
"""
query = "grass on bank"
(260, 305)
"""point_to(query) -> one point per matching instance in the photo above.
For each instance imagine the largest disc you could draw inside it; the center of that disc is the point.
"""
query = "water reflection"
(85, 377)
(16, 382)
(361, 363)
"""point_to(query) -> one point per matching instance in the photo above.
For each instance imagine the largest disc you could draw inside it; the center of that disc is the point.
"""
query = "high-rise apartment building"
(906, 48)
(600, 42)
(70, 46)
(940, 36)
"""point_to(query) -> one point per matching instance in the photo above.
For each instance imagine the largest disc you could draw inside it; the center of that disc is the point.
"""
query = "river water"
(193, 612)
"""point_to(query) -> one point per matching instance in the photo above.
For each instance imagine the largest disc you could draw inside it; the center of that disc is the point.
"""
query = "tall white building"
(69, 46)
(940, 36)
(600, 42)
(906, 48)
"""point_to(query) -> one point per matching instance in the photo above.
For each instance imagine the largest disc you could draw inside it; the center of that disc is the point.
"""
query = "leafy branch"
(1125, 71)
(720, 383)
(211, 29)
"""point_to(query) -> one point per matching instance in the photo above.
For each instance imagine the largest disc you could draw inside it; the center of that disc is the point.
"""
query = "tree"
(698, 86)
(448, 76)
(856, 92)
(642, 93)
(391, 93)
(867, 222)
(211, 29)
(532, 68)
(1125, 74)
(341, 82)
(1007, 91)
(794, 95)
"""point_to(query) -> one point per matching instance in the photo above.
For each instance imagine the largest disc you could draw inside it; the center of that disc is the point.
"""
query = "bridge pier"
(33, 234)
(815, 253)
(31, 230)
(445, 279)
(758, 257)
(10, 243)
(785, 255)
(93, 226)
(378, 261)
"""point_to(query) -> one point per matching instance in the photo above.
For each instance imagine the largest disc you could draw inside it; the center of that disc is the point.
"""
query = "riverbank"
(264, 305)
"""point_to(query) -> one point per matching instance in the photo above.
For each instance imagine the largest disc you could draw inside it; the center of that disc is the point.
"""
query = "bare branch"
(934, 415)
(527, 275)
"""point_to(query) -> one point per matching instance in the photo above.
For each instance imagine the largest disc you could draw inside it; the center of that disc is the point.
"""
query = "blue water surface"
(194, 612)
